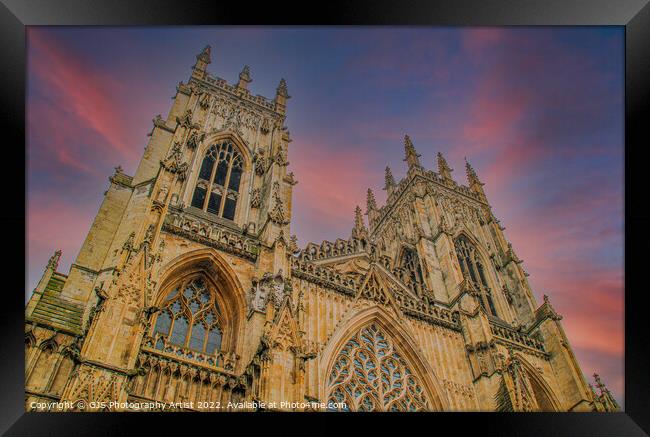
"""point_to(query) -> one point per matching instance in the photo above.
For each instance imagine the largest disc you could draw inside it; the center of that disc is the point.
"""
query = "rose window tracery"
(369, 374)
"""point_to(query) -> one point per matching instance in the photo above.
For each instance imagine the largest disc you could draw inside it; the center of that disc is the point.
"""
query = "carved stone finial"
(412, 157)
(474, 182)
(293, 245)
(277, 214)
(443, 167)
(605, 398)
(174, 162)
(371, 202)
(244, 77)
(359, 231)
(389, 179)
(599, 383)
(53, 263)
(205, 55)
(472, 178)
(282, 89)
(547, 310)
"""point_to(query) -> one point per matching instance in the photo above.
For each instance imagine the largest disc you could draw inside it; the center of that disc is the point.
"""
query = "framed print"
(385, 213)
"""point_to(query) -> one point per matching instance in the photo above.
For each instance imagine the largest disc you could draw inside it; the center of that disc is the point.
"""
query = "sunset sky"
(537, 111)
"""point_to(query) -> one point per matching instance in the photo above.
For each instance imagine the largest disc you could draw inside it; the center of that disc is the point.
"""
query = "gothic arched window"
(217, 186)
(473, 271)
(190, 318)
(369, 374)
(410, 269)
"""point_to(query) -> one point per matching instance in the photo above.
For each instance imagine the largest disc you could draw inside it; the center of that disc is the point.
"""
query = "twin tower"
(190, 293)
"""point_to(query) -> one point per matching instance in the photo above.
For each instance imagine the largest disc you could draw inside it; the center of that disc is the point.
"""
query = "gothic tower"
(190, 292)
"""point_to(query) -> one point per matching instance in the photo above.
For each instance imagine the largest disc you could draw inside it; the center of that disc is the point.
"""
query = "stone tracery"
(190, 318)
(370, 374)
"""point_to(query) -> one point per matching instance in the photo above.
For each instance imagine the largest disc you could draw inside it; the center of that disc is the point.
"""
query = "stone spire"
(412, 157)
(474, 182)
(359, 231)
(281, 96)
(371, 209)
(371, 202)
(443, 168)
(202, 61)
(471, 174)
(390, 181)
(244, 78)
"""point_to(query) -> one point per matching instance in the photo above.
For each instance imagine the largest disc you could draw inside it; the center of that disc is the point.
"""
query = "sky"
(537, 111)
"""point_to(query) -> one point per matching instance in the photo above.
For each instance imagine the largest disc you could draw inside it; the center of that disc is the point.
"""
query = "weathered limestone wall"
(326, 312)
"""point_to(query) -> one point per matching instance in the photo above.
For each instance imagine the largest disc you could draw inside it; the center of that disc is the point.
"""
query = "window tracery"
(369, 374)
(217, 187)
(473, 270)
(410, 270)
(190, 318)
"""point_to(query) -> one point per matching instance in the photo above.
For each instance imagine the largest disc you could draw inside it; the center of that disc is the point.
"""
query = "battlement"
(218, 83)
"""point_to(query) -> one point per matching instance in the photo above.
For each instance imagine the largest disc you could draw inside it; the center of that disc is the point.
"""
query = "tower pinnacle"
(371, 202)
(390, 180)
(202, 61)
(475, 183)
(411, 154)
(244, 78)
(281, 96)
(359, 231)
(53, 263)
(205, 54)
(472, 178)
(443, 167)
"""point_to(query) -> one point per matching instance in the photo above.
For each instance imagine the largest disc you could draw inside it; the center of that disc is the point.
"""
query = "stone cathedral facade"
(190, 293)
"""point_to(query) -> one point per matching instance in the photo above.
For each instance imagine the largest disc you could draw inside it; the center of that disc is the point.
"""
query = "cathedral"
(190, 293)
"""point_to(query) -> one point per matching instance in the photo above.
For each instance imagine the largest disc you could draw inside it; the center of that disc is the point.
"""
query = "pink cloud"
(331, 185)
(80, 90)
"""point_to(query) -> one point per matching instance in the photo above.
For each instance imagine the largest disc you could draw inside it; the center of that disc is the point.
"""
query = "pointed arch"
(30, 339)
(227, 135)
(408, 266)
(476, 268)
(546, 397)
(209, 264)
(220, 176)
(463, 231)
(403, 343)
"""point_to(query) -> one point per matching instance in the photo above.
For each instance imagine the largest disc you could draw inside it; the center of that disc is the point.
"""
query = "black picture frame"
(634, 15)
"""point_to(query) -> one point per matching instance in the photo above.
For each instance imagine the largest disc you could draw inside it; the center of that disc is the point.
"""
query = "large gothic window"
(369, 374)
(410, 270)
(190, 318)
(217, 187)
(474, 271)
